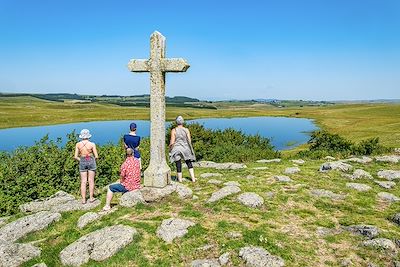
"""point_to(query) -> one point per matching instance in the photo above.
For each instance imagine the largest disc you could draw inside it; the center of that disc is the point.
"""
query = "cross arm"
(175, 65)
(138, 65)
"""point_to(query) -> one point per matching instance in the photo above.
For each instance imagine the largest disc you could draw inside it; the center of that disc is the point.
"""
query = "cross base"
(157, 175)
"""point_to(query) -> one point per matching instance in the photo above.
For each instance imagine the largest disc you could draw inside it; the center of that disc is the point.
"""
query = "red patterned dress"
(130, 173)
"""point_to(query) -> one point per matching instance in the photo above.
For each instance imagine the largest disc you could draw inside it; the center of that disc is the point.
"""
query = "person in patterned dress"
(130, 178)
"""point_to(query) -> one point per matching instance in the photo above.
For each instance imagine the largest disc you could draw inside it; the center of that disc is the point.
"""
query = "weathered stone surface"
(219, 166)
(98, 245)
(57, 199)
(292, 170)
(389, 174)
(232, 183)
(335, 165)
(251, 199)
(396, 218)
(14, 254)
(75, 205)
(210, 174)
(385, 184)
(214, 181)
(90, 217)
(359, 173)
(363, 160)
(17, 229)
(298, 161)
(173, 228)
(327, 194)
(259, 257)
(183, 191)
(388, 197)
(223, 192)
(131, 199)
(224, 258)
(283, 178)
(234, 235)
(388, 158)
(381, 243)
(369, 231)
(358, 187)
(205, 263)
(260, 168)
(152, 194)
(268, 160)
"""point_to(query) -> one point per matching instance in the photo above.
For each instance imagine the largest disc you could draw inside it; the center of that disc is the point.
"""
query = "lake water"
(284, 132)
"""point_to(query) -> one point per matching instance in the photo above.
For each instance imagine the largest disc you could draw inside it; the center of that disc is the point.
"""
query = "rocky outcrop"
(173, 228)
(251, 199)
(385, 184)
(131, 199)
(389, 174)
(335, 165)
(153, 194)
(14, 254)
(388, 197)
(388, 158)
(381, 243)
(359, 187)
(90, 217)
(223, 192)
(359, 174)
(259, 257)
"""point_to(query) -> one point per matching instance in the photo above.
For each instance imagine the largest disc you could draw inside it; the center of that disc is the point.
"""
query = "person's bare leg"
(84, 176)
(179, 176)
(191, 171)
(91, 185)
(108, 200)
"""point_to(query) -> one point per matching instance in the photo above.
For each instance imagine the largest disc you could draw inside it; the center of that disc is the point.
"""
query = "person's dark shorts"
(118, 188)
(87, 164)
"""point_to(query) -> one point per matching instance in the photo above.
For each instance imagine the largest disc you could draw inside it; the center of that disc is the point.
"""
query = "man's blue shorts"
(118, 188)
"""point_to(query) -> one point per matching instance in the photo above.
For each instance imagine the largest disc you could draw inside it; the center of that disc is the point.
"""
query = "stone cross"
(158, 174)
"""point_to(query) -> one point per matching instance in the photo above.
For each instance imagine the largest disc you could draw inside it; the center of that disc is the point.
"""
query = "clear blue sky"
(286, 49)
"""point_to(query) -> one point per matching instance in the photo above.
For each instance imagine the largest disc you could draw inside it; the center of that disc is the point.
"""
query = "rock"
(154, 194)
(214, 181)
(363, 160)
(172, 228)
(268, 160)
(75, 205)
(270, 194)
(329, 158)
(359, 173)
(223, 192)
(335, 165)
(131, 198)
(388, 197)
(369, 231)
(19, 228)
(224, 258)
(292, 170)
(260, 168)
(346, 262)
(385, 184)
(57, 199)
(249, 177)
(396, 218)
(380, 243)
(206, 247)
(90, 217)
(42, 264)
(358, 187)
(208, 175)
(326, 193)
(298, 161)
(98, 245)
(14, 254)
(219, 166)
(282, 178)
(259, 257)
(205, 263)
(232, 183)
(389, 174)
(251, 200)
(183, 191)
(234, 235)
(389, 158)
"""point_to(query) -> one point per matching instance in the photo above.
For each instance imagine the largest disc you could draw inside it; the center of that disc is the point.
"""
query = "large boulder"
(251, 199)
(98, 245)
(259, 257)
(14, 254)
(131, 199)
(223, 192)
(19, 228)
(335, 165)
(173, 228)
(154, 194)
(183, 191)
(389, 174)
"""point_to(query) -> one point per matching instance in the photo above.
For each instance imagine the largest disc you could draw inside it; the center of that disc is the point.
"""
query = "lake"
(284, 132)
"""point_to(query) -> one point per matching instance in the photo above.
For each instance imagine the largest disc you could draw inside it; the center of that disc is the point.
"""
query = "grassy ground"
(356, 122)
(286, 225)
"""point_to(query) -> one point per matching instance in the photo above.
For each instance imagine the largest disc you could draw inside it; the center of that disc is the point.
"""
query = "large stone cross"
(158, 174)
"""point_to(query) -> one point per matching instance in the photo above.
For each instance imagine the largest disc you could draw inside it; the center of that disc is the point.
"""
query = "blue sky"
(286, 49)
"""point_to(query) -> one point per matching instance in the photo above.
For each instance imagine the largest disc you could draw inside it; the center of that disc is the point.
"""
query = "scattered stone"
(268, 160)
(19, 228)
(224, 258)
(206, 247)
(251, 199)
(381, 243)
(98, 245)
(292, 170)
(298, 161)
(359, 187)
(75, 205)
(388, 197)
(346, 262)
(329, 158)
(363, 160)
(234, 235)
(359, 173)
(90, 217)
(282, 178)
(57, 199)
(183, 191)
(335, 165)
(208, 175)
(219, 166)
(214, 181)
(249, 177)
(223, 192)
(42, 264)
(131, 199)
(385, 184)
(14, 254)
(389, 158)
(368, 231)
(259, 257)
(396, 218)
(260, 168)
(232, 183)
(172, 228)
(389, 174)
(154, 194)
(205, 263)
(326, 193)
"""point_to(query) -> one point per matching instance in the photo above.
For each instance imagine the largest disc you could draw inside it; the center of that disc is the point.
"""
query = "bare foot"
(106, 208)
